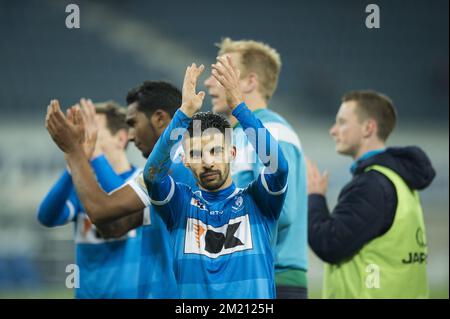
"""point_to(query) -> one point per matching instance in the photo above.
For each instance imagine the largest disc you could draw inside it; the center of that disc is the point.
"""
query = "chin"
(340, 151)
(344, 151)
(220, 109)
(212, 186)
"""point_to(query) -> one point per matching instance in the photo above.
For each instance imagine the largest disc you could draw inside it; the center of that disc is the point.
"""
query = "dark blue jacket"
(367, 204)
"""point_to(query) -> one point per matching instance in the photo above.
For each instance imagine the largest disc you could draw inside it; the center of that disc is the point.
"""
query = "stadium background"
(326, 50)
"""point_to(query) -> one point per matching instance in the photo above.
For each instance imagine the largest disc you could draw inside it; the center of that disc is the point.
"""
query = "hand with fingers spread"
(228, 76)
(68, 133)
(192, 101)
(317, 182)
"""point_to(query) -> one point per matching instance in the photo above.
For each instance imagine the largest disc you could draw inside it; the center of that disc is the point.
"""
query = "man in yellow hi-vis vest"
(374, 241)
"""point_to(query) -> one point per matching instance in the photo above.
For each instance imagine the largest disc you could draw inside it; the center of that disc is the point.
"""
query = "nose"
(333, 130)
(207, 161)
(209, 81)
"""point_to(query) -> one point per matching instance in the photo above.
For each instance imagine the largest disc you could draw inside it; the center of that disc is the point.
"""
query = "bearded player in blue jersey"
(260, 67)
(223, 235)
(150, 109)
(108, 267)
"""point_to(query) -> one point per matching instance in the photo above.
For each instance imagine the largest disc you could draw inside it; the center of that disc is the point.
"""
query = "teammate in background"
(374, 241)
(223, 235)
(108, 267)
(150, 109)
(260, 67)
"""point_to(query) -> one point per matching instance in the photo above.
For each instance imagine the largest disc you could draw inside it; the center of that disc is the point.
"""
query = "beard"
(217, 182)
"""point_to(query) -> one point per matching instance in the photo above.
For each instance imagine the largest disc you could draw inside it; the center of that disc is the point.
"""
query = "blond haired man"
(259, 66)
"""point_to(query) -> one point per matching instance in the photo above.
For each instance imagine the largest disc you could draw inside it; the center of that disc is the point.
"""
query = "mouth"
(210, 176)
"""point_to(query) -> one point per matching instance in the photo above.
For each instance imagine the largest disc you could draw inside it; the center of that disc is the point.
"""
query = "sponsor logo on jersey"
(214, 242)
(415, 257)
(197, 203)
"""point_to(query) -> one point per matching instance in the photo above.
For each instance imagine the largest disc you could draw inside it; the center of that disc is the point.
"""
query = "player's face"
(209, 158)
(217, 92)
(348, 130)
(141, 132)
(107, 141)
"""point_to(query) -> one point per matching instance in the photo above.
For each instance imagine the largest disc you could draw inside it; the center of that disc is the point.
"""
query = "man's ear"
(122, 136)
(185, 162)
(370, 128)
(250, 83)
(160, 119)
(233, 152)
(184, 158)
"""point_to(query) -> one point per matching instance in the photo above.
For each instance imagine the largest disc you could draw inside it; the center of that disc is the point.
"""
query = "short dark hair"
(115, 116)
(153, 95)
(207, 120)
(372, 104)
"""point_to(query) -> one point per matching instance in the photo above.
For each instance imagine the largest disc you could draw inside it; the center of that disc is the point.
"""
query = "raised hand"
(228, 76)
(91, 128)
(192, 101)
(317, 182)
(67, 133)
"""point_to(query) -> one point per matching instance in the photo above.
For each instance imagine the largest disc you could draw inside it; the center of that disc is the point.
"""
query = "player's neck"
(374, 145)
(254, 102)
(219, 194)
(119, 162)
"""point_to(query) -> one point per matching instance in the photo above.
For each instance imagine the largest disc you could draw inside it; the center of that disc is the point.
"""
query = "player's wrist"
(189, 111)
(238, 108)
(75, 152)
(317, 191)
(96, 154)
(234, 98)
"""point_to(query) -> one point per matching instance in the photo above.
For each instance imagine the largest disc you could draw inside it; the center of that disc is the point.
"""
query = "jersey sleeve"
(268, 194)
(169, 198)
(269, 189)
(59, 206)
(108, 179)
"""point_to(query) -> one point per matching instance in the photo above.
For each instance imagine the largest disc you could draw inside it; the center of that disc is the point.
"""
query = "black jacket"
(367, 204)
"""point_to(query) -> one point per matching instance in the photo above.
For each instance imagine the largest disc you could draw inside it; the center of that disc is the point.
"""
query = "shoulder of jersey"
(275, 122)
